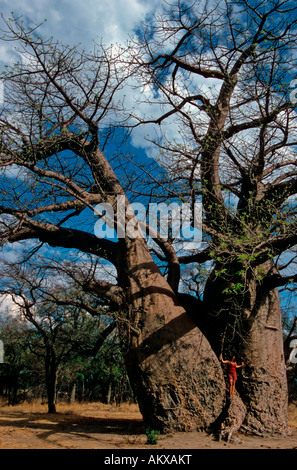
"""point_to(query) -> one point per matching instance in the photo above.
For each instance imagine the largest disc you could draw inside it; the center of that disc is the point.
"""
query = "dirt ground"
(97, 426)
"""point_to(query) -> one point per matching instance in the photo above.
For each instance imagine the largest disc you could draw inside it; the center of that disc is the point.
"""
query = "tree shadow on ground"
(45, 425)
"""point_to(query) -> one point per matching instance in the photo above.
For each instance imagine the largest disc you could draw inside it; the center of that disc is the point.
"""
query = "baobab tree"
(60, 104)
(237, 158)
(223, 71)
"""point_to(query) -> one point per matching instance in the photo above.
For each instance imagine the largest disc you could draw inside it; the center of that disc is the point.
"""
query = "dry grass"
(100, 410)
(96, 410)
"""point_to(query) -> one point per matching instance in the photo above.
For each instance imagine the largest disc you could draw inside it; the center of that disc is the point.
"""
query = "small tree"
(63, 328)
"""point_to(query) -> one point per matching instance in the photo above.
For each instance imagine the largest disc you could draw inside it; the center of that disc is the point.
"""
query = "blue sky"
(77, 21)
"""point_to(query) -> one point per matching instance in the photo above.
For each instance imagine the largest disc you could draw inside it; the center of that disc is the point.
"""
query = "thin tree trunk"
(51, 382)
(73, 393)
(108, 397)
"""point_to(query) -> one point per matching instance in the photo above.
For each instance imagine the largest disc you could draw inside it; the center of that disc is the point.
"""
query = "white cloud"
(74, 21)
(8, 308)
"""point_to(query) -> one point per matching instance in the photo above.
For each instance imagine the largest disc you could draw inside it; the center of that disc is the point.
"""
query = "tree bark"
(108, 396)
(264, 382)
(72, 393)
(248, 325)
(174, 373)
(234, 415)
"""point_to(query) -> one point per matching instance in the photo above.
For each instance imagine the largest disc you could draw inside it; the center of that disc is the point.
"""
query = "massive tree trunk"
(248, 325)
(264, 382)
(173, 370)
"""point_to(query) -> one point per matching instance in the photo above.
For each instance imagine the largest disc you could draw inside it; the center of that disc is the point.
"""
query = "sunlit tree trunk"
(264, 383)
(249, 327)
(175, 375)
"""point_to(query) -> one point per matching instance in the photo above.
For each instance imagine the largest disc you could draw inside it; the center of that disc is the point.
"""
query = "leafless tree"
(61, 313)
(234, 153)
(222, 72)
